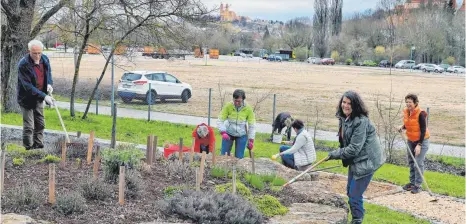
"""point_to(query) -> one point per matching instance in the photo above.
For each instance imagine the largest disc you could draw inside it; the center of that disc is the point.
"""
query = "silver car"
(456, 69)
(432, 68)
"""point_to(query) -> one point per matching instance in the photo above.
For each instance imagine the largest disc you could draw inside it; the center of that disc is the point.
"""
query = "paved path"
(435, 149)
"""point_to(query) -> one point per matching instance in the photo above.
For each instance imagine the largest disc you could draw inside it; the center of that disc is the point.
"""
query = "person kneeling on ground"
(282, 120)
(204, 138)
(302, 153)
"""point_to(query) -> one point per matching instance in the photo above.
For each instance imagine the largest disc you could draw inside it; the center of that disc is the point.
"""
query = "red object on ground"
(174, 148)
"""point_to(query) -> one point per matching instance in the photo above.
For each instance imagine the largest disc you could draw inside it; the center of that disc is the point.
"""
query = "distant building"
(227, 15)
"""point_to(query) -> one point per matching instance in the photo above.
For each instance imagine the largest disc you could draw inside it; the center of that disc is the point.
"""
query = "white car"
(135, 85)
(456, 69)
(311, 60)
(405, 64)
(432, 68)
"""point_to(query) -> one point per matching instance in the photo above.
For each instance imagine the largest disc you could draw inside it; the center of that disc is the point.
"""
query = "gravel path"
(445, 210)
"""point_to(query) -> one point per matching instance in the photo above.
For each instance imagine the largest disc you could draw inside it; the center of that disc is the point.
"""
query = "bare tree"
(318, 119)
(336, 16)
(18, 30)
(222, 94)
(390, 122)
(320, 27)
(161, 16)
(259, 98)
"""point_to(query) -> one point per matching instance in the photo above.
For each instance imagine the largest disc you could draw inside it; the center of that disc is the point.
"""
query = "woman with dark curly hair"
(359, 149)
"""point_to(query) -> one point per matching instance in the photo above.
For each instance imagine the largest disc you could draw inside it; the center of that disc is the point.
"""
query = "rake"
(304, 172)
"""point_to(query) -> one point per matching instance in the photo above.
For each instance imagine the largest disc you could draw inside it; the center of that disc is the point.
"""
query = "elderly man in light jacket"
(302, 153)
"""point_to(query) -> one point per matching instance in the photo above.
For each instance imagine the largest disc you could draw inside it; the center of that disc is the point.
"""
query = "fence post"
(121, 186)
(181, 150)
(113, 143)
(274, 106)
(52, 183)
(150, 102)
(210, 101)
(97, 100)
(428, 111)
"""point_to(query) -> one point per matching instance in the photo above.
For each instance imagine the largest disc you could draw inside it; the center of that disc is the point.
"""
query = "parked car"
(249, 56)
(444, 66)
(274, 58)
(369, 63)
(456, 69)
(311, 60)
(418, 66)
(432, 68)
(405, 64)
(385, 63)
(242, 55)
(328, 61)
(135, 85)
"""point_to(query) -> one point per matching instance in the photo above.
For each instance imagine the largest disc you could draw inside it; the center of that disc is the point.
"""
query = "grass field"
(136, 131)
(300, 88)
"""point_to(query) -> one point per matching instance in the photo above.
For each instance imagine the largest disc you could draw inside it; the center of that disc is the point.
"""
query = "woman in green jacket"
(359, 149)
(237, 123)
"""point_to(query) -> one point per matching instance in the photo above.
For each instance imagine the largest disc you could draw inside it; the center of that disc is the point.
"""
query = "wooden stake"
(121, 186)
(150, 142)
(78, 134)
(201, 174)
(52, 183)
(233, 187)
(181, 150)
(90, 145)
(63, 155)
(96, 163)
(198, 183)
(154, 149)
(214, 157)
(2, 174)
(191, 153)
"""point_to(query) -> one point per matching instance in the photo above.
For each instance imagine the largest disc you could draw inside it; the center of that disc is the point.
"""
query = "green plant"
(278, 181)
(50, 159)
(217, 172)
(348, 61)
(18, 161)
(22, 198)
(71, 203)
(95, 189)
(256, 182)
(268, 178)
(450, 60)
(336, 56)
(78, 161)
(269, 205)
(240, 188)
(18, 151)
(172, 190)
(112, 159)
(275, 189)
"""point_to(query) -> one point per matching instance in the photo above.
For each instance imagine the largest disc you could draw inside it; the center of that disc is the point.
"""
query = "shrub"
(18, 161)
(133, 183)
(17, 151)
(228, 188)
(50, 159)
(180, 170)
(275, 189)
(72, 203)
(336, 56)
(208, 207)
(450, 60)
(113, 158)
(269, 205)
(22, 198)
(95, 189)
(278, 181)
(348, 61)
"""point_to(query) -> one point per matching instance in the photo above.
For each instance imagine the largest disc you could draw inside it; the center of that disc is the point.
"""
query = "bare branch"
(46, 17)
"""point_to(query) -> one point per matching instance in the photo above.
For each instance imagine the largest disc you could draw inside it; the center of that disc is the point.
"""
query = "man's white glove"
(49, 100)
(49, 89)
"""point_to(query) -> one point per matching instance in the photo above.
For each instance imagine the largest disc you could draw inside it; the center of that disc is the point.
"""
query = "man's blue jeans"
(240, 146)
(355, 189)
(288, 159)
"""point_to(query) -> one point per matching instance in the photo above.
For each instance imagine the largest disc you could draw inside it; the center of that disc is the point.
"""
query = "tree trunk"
(13, 49)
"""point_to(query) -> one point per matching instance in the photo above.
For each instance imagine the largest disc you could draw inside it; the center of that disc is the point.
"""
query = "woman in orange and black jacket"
(415, 123)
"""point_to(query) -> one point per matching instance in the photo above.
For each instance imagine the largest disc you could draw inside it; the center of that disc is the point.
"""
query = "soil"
(300, 87)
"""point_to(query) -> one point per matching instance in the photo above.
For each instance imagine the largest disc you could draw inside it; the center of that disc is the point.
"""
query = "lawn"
(136, 131)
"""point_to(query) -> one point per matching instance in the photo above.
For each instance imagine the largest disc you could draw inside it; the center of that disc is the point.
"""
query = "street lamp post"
(412, 50)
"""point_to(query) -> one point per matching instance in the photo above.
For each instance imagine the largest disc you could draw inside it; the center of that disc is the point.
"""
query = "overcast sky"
(288, 9)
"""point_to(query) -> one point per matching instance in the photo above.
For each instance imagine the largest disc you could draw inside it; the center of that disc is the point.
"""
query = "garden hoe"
(418, 169)
(304, 172)
(61, 121)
